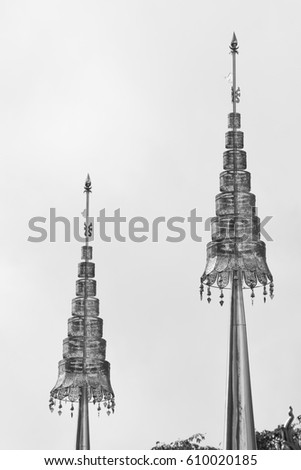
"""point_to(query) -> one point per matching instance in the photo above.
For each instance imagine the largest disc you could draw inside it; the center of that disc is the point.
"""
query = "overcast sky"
(134, 92)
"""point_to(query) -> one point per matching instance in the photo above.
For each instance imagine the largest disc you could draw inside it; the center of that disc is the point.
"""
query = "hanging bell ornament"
(264, 294)
(208, 295)
(201, 290)
(252, 295)
(221, 297)
(271, 290)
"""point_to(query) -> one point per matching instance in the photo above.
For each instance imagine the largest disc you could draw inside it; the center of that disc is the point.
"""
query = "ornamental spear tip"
(235, 92)
(234, 43)
(88, 183)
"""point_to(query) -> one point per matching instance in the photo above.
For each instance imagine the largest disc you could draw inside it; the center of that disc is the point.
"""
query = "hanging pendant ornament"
(264, 294)
(51, 404)
(208, 295)
(222, 298)
(271, 290)
(252, 295)
(201, 289)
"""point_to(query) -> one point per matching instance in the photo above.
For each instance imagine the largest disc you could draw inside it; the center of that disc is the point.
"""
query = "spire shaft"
(234, 80)
(234, 51)
(87, 234)
(239, 426)
(240, 430)
(235, 92)
(83, 432)
(87, 191)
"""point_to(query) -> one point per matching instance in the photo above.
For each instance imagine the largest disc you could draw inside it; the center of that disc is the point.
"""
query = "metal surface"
(239, 423)
(236, 257)
(83, 432)
(235, 230)
(84, 373)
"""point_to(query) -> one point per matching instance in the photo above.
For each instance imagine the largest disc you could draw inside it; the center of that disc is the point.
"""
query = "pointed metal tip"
(88, 183)
(234, 43)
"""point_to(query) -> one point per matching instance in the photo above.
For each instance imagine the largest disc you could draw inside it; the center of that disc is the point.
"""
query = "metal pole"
(239, 429)
(83, 433)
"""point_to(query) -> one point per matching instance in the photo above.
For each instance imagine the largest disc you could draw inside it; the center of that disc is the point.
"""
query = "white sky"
(134, 92)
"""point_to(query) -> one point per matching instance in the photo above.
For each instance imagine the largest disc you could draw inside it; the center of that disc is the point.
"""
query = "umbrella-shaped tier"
(84, 350)
(235, 230)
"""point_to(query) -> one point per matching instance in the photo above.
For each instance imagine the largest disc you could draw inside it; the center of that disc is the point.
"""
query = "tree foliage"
(284, 437)
(278, 440)
(191, 443)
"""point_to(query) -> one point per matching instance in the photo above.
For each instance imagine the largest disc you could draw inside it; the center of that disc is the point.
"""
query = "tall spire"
(236, 258)
(84, 374)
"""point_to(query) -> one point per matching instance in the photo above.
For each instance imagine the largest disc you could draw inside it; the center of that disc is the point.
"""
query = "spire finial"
(234, 44)
(88, 184)
(235, 91)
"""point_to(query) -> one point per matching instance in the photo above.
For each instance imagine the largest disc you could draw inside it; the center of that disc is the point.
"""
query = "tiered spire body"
(84, 373)
(235, 229)
(236, 257)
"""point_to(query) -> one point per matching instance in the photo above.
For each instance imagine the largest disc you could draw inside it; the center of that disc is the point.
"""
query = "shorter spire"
(84, 372)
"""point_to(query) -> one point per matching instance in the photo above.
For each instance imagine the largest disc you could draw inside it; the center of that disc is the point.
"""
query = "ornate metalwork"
(71, 369)
(235, 95)
(235, 230)
(88, 184)
(84, 373)
(236, 257)
(234, 121)
(235, 160)
(86, 269)
(86, 252)
(234, 45)
(234, 140)
(88, 229)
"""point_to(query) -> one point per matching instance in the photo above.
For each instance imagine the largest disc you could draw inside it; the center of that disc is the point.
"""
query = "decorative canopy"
(235, 231)
(84, 350)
